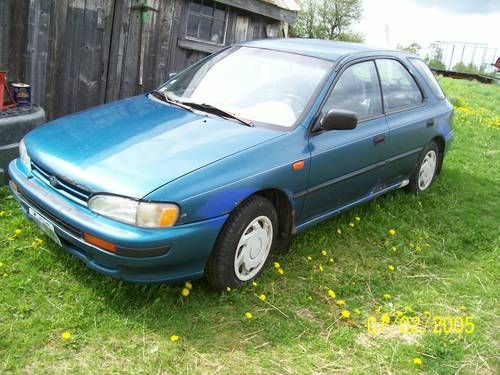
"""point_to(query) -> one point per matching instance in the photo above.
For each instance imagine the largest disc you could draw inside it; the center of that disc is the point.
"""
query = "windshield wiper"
(217, 111)
(164, 97)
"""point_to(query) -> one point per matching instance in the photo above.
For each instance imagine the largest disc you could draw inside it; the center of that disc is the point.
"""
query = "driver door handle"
(378, 139)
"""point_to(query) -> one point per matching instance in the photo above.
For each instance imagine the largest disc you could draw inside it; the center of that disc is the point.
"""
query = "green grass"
(446, 264)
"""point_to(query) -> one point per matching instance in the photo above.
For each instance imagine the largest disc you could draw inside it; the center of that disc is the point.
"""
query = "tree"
(436, 60)
(413, 48)
(328, 19)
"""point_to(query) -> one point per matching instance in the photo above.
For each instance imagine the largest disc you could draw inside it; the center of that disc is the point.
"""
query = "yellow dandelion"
(340, 302)
(309, 258)
(391, 267)
(254, 284)
(385, 318)
(174, 338)
(185, 292)
(387, 296)
(357, 218)
(280, 271)
(248, 315)
(393, 248)
(188, 285)
(346, 314)
(392, 232)
(399, 314)
(351, 225)
(339, 231)
(331, 260)
(331, 293)
(65, 335)
(262, 297)
(320, 267)
(228, 289)
(276, 265)
(417, 361)
(324, 253)
(357, 311)
(18, 232)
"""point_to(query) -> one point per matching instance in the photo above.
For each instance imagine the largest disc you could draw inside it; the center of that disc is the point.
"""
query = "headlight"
(23, 154)
(131, 211)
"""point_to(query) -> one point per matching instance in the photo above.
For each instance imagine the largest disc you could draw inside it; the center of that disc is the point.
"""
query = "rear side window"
(429, 77)
(357, 90)
(399, 89)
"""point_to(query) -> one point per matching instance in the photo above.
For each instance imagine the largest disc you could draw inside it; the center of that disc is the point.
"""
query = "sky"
(424, 21)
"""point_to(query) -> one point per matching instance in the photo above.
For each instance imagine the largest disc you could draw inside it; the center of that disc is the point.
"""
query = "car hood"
(133, 146)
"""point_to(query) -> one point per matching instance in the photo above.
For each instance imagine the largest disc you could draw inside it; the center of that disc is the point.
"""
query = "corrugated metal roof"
(292, 5)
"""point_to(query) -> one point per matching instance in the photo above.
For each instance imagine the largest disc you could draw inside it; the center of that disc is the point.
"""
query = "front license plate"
(45, 225)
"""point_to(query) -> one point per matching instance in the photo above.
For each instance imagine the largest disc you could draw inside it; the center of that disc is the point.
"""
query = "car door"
(346, 165)
(408, 118)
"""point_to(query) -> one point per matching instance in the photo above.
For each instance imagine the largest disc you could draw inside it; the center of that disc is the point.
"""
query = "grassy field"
(400, 262)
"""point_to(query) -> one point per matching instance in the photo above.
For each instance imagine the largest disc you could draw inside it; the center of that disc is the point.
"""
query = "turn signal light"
(14, 186)
(100, 243)
(298, 165)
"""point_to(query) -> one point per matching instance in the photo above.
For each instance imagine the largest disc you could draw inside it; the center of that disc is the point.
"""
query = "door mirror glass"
(338, 119)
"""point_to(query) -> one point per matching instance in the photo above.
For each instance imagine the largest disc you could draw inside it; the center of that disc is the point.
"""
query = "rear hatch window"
(423, 69)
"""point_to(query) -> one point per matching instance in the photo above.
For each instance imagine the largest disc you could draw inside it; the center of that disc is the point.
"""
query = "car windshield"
(255, 84)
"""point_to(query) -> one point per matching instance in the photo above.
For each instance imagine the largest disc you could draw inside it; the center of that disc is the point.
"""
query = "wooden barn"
(81, 53)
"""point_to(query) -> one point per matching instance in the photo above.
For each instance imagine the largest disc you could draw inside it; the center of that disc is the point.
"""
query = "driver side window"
(358, 91)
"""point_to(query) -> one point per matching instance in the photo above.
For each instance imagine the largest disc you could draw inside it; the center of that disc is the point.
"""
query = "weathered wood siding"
(80, 53)
(13, 38)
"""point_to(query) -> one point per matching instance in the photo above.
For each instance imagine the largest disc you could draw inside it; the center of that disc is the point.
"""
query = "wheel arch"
(285, 212)
(440, 142)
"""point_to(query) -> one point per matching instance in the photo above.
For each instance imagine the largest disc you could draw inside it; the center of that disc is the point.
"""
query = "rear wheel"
(425, 172)
(244, 244)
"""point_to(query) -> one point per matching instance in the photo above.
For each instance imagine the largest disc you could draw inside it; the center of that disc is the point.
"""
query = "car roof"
(323, 49)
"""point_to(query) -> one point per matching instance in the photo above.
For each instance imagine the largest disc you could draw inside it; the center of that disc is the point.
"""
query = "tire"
(255, 219)
(426, 169)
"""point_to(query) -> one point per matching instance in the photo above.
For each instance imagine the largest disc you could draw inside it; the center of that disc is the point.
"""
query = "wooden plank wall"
(13, 38)
(80, 53)
(67, 53)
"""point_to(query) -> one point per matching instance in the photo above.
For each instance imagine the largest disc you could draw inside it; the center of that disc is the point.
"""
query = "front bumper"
(182, 250)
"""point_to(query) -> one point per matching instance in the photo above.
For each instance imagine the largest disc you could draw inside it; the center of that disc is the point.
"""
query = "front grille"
(72, 191)
(67, 227)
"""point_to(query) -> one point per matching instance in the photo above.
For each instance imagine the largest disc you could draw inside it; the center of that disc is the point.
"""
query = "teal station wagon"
(219, 167)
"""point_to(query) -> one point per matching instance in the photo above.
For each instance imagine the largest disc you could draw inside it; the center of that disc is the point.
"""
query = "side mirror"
(172, 75)
(338, 119)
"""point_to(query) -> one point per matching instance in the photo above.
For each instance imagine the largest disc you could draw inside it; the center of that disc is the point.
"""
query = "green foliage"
(413, 47)
(328, 19)
(435, 61)
(467, 68)
(445, 256)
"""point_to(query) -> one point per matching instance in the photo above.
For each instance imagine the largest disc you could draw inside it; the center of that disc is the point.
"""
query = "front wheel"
(244, 245)
(426, 169)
